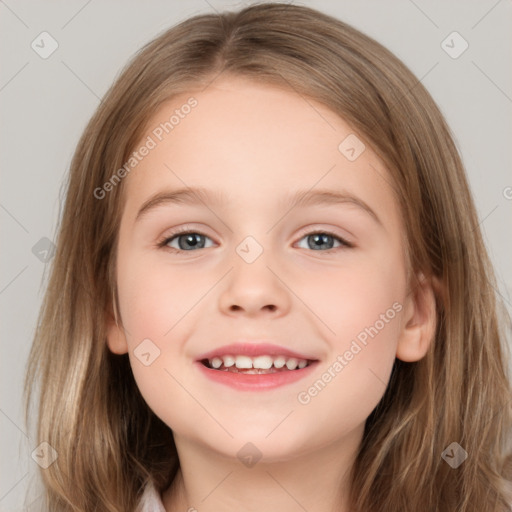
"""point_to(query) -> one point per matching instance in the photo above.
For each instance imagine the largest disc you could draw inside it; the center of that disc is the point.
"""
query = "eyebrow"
(301, 198)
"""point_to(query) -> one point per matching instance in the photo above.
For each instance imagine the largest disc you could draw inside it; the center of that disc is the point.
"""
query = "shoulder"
(150, 501)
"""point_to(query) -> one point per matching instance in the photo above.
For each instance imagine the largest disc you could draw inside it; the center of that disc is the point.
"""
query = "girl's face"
(322, 278)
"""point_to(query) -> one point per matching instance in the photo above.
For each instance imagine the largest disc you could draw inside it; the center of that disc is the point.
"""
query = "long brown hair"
(90, 411)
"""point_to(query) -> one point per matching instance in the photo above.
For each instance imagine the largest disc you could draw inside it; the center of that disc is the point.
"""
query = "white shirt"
(150, 501)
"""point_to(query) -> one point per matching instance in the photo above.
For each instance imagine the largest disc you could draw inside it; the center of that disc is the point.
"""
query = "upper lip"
(253, 350)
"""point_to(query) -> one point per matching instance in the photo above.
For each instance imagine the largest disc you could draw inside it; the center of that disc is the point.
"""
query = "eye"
(184, 239)
(324, 241)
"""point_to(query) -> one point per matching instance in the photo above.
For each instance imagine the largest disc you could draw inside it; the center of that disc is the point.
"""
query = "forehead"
(249, 140)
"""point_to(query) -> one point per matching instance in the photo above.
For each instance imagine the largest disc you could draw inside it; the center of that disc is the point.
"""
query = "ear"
(419, 321)
(116, 339)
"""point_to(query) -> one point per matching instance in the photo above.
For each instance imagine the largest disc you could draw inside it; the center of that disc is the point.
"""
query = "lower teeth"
(249, 371)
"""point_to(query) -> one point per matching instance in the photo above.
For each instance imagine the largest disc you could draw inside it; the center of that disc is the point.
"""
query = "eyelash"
(187, 231)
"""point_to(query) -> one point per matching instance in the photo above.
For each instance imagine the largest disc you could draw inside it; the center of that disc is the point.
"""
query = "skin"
(311, 301)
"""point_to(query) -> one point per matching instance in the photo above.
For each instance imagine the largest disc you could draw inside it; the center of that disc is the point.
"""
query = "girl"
(270, 290)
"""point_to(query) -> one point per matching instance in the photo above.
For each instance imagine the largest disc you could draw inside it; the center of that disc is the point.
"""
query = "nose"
(254, 289)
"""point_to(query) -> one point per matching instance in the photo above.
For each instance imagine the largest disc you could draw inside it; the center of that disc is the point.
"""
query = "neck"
(208, 481)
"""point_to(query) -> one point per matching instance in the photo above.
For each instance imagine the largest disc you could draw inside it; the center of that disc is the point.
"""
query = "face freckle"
(294, 239)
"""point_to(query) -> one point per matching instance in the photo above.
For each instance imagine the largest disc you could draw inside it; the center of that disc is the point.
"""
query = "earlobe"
(116, 339)
(419, 321)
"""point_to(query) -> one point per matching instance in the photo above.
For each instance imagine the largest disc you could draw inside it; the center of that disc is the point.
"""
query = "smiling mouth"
(258, 365)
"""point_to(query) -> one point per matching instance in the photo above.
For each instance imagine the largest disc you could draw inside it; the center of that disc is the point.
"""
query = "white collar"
(150, 501)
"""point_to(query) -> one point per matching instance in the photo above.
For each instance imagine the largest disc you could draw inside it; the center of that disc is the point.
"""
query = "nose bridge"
(251, 261)
(250, 250)
(253, 284)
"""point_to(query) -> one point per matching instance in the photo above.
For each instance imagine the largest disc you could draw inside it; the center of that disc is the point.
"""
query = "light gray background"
(45, 104)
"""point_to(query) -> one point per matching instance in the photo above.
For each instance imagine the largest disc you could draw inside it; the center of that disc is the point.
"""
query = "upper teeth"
(259, 362)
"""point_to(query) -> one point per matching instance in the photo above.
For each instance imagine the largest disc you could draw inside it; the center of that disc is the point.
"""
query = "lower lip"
(255, 382)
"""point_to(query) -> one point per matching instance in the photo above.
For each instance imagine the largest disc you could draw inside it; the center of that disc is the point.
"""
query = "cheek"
(156, 304)
(155, 297)
(361, 307)
(349, 298)
(351, 382)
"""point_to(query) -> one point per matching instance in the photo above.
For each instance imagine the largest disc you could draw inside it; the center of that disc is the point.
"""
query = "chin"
(262, 443)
